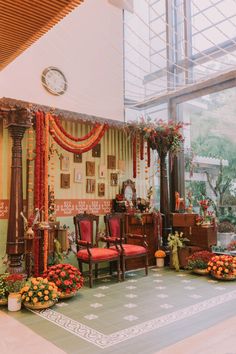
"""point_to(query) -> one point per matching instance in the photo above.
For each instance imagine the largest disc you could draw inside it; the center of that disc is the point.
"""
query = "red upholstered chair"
(115, 232)
(88, 250)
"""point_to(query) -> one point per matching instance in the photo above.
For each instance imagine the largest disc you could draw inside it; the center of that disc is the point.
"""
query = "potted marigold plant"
(160, 257)
(67, 278)
(39, 293)
(14, 283)
(198, 261)
(222, 267)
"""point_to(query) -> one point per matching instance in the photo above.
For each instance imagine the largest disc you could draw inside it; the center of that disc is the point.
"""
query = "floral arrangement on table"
(160, 254)
(175, 242)
(199, 260)
(14, 283)
(67, 278)
(39, 293)
(222, 267)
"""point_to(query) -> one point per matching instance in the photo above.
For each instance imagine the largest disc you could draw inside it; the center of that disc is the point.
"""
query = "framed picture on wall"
(101, 189)
(90, 168)
(90, 185)
(96, 151)
(114, 179)
(77, 158)
(65, 163)
(111, 162)
(78, 175)
(65, 180)
(101, 171)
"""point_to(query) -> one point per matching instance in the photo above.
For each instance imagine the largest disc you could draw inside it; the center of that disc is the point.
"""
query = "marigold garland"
(78, 150)
(46, 151)
(71, 145)
(71, 137)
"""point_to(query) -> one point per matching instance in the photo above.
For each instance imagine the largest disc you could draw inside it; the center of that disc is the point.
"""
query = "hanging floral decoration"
(47, 125)
(65, 142)
(30, 171)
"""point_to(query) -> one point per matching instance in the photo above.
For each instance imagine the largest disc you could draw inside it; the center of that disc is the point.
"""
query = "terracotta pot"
(200, 271)
(228, 277)
(67, 296)
(14, 302)
(160, 262)
(39, 305)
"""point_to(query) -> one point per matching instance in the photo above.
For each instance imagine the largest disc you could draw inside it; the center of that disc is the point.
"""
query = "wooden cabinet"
(141, 224)
(199, 236)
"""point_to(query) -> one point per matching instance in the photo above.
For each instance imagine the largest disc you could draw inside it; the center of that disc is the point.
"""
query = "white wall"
(88, 47)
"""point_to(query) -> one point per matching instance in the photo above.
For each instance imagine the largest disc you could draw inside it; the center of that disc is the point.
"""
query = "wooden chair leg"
(90, 275)
(123, 267)
(80, 266)
(118, 269)
(110, 268)
(146, 265)
(96, 270)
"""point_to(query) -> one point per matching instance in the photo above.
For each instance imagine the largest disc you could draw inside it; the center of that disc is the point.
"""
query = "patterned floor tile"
(160, 287)
(130, 318)
(131, 287)
(91, 317)
(131, 296)
(162, 296)
(189, 287)
(195, 296)
(166, 306)
(96, 305)
(99, 295)
(130, 305)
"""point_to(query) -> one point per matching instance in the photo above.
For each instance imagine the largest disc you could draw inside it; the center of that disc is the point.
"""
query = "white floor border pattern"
(103, 341)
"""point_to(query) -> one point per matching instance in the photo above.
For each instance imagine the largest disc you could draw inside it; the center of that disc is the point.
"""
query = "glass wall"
(210, 147)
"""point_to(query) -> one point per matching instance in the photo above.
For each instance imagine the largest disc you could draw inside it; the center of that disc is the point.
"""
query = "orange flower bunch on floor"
(222, 266)
(39, 290)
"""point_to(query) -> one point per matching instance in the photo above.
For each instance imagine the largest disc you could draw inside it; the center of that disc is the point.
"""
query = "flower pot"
(39, 305)
(67, 296)
(160, 262)
(220, 277)
(14, 302)
(200, 271)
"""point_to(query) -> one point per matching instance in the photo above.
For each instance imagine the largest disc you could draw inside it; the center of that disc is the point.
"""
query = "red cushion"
(86, 230)
(130, 250)
(115, 227)
(98, 254)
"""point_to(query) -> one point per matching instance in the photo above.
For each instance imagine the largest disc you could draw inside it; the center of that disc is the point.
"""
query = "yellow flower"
(39, 278)
(30, 293)
(54, 295)
(46, 292)
(27, 298)
(35, 299)
(35, 287)
(40, 293)
(50, 288)
(23, 297)
(46, 298)
(45, 281)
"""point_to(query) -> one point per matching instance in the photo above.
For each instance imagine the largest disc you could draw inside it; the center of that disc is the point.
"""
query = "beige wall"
(87, 46)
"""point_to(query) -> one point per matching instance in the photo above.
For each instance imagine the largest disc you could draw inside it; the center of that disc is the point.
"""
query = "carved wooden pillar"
(18, 121)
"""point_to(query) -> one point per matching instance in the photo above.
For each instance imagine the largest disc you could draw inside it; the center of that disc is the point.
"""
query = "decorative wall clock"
(54, 81)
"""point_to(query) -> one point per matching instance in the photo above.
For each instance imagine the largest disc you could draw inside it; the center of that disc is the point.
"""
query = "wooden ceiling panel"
(22, 22)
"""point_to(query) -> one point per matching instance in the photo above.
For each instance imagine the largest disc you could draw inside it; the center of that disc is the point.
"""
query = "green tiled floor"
(140, 315)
